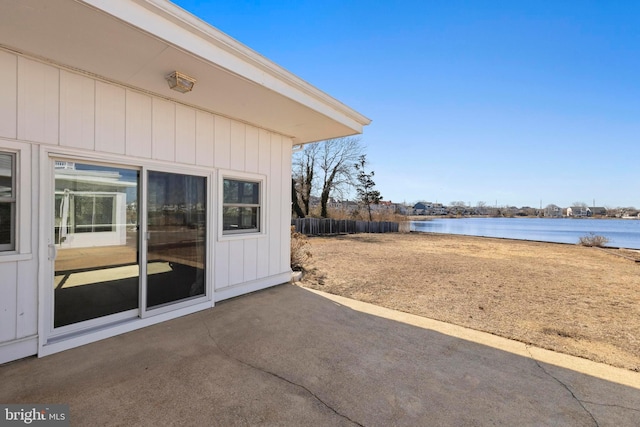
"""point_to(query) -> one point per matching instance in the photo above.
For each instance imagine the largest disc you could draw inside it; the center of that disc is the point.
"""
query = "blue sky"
(508, 102)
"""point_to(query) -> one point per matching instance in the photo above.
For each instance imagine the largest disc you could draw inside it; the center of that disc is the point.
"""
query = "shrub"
(300, 250)
(593, 239)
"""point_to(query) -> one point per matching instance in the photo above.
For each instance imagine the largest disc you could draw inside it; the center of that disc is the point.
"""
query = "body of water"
(621, 233)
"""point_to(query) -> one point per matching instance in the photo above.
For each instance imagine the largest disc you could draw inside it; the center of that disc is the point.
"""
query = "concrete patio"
(290, 356)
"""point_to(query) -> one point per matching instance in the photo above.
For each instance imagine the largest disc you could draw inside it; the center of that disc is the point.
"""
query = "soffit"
(136, 43)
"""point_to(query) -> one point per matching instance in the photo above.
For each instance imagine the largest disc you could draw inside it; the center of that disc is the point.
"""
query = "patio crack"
(273, 374)
(611, 405)
(580, 402)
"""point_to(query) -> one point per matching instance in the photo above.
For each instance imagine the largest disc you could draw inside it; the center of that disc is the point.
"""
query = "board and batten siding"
(53, 106)
(240, 147)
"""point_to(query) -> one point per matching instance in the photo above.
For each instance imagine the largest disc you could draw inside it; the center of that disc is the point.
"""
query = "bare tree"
(295, 205)
(327, 165)
(481, 208)
(457, 207)
(304, 167)
(336, 159)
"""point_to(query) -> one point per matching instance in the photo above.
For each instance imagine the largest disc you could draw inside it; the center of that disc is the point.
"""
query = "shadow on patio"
(289, 356)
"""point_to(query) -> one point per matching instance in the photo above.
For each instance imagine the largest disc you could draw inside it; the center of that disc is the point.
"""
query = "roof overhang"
(136, 43)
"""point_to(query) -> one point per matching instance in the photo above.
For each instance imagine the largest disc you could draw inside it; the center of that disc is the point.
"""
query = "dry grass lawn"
(568, 298)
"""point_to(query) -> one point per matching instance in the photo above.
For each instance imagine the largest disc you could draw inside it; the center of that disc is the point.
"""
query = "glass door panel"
(176, 240)
(96, 270)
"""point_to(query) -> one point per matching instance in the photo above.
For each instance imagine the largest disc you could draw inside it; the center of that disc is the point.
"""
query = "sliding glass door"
(96, 270)
(104, 271)
(176, 239)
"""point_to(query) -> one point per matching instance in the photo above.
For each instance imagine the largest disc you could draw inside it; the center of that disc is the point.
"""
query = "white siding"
(138, 125)
(8, 309)
(274, 222)
(18, 269)
(238, 152)
(221, 261)
(164, 130)
(186, 135)
(250, 257)
(204, 139)
(26, 300)
(38, 101)
(77, 111)
(285, 195)
(222, 148)
(51, 106)
(222, 158)
(8, 94)
(264, 167)
(236, 262)
(254, 257)
(110, 118)
(251, 147)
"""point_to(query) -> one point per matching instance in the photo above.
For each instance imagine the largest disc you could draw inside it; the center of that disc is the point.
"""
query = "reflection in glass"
(6, 175)
(241, 206)
(236, 218)
(241, 192)
(94, 213)
(96, 232)
(7, 201)
(6, 225)
(176, 250)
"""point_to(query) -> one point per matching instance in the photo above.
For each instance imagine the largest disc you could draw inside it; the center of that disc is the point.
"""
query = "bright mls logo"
(34, 415)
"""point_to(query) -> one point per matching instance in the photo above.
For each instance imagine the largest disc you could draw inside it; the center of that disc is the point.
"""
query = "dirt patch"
(568, 298)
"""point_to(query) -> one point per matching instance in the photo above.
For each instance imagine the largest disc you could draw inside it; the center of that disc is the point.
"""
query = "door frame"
(145, 312)
(52, 340)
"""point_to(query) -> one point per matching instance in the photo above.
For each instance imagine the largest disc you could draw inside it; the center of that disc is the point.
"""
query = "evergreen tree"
(365, 186)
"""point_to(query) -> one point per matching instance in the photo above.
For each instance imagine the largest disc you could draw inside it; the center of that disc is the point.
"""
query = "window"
(94, 213)
(7, 201)
(241, 206)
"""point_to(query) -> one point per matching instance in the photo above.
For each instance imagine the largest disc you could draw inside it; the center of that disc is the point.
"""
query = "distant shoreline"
(432, 217)
(620, 233)
(435, 233)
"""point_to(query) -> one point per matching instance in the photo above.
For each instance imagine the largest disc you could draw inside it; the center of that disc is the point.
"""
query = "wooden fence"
(327, 226)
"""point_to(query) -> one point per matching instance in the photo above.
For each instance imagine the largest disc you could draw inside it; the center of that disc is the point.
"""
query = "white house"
(578, 211)
(123, 202)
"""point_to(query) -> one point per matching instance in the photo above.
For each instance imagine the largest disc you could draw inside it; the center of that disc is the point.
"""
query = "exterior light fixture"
(180, 82)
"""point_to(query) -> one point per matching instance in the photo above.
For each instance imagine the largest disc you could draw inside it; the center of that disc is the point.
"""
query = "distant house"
(598, 211)
(386, 206)
(553, 211)
(429, 208)
(579, 212)
(334, 203)
(630, 213)
(348, 206)
(421, 208)
(403, 209)
(458, 210)
(439, 209)
(527, 211)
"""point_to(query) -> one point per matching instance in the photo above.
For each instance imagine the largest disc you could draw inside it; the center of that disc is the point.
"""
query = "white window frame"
(261, 180)
(20, 248)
